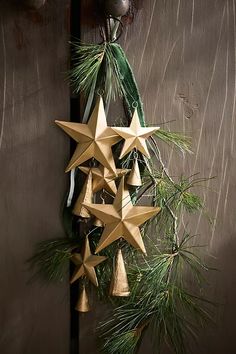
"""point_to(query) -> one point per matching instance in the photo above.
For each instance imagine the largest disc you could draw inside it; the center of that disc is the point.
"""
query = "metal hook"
(100, 92)
(136, 155)
(135, 104)
(120, 242)
(102, 197)
(121, 28)
(92, 163)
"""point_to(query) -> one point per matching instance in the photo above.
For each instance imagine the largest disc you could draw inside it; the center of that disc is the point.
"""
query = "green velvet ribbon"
(130, 88)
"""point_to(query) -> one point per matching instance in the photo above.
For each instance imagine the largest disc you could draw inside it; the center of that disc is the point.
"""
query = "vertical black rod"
(74, 112)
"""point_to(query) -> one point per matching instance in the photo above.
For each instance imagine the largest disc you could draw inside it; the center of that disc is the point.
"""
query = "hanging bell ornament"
(134, 178)
(116, 8)
(83, 302)
(119, 284)
(98, 223)
(86, 196)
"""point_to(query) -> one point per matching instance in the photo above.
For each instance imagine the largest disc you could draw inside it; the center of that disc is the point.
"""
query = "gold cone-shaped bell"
(119, 284)
(86, 196)
(135, 177)
(97, 222)
(83, 302)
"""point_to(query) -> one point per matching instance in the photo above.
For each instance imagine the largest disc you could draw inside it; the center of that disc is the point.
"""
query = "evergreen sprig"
(179, 140)
(51, 258)
(158, 300)
(104, 69)
(95, 68)
(87, 61)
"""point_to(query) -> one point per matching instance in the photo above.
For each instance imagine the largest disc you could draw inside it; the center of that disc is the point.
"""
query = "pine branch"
(159, 300)
(51, 258)
(180, 141)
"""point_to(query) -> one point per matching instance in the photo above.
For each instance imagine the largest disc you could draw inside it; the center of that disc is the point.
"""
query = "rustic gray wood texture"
(34, 317)
(184, 57)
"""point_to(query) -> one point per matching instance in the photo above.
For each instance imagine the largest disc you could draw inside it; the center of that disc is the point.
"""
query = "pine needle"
(180, 141)
(51, 258)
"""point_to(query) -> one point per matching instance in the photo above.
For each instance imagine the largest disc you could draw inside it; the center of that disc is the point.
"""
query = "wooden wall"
(184, 56)
(34, 317)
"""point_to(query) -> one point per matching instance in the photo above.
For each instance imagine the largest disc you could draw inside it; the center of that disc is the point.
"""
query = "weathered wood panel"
(184, 57)
(34, 318)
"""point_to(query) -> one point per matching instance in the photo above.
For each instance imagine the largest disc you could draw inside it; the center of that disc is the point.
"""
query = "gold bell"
(119, 284)
(135, 177)
(86, 196)
(97, 222)
(83, 302)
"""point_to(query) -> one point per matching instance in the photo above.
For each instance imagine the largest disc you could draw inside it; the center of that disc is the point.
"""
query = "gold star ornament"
(85, 263)
(94, 139)
(104, 178)
(122, 219)
(135, 136)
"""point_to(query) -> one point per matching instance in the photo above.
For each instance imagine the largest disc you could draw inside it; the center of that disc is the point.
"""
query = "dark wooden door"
(34, 317)
(183, 55)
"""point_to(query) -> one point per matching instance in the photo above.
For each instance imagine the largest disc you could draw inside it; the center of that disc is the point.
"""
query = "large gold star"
(85, 263)
(94, 139)
(104, 178)
(122, 219)
(135, 136)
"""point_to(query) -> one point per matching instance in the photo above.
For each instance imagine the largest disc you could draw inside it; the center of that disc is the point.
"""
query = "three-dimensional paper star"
(85, 263)
(94, 139)
(122, 219)
(104, 178)
(135, 136)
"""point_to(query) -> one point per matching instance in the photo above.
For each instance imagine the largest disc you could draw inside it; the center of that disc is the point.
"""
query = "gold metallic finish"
(119, 283)
(134, 178)
(85, 264)
(83, 302)
(104, 178)
(86, 196)
(98, 223)
(135, 136)
(122, 219)
(94, 139)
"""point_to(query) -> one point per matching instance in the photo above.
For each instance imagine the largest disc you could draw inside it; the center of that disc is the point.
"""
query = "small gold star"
(85, 263)
(122, 219)
(104, 178)
(135, 136)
